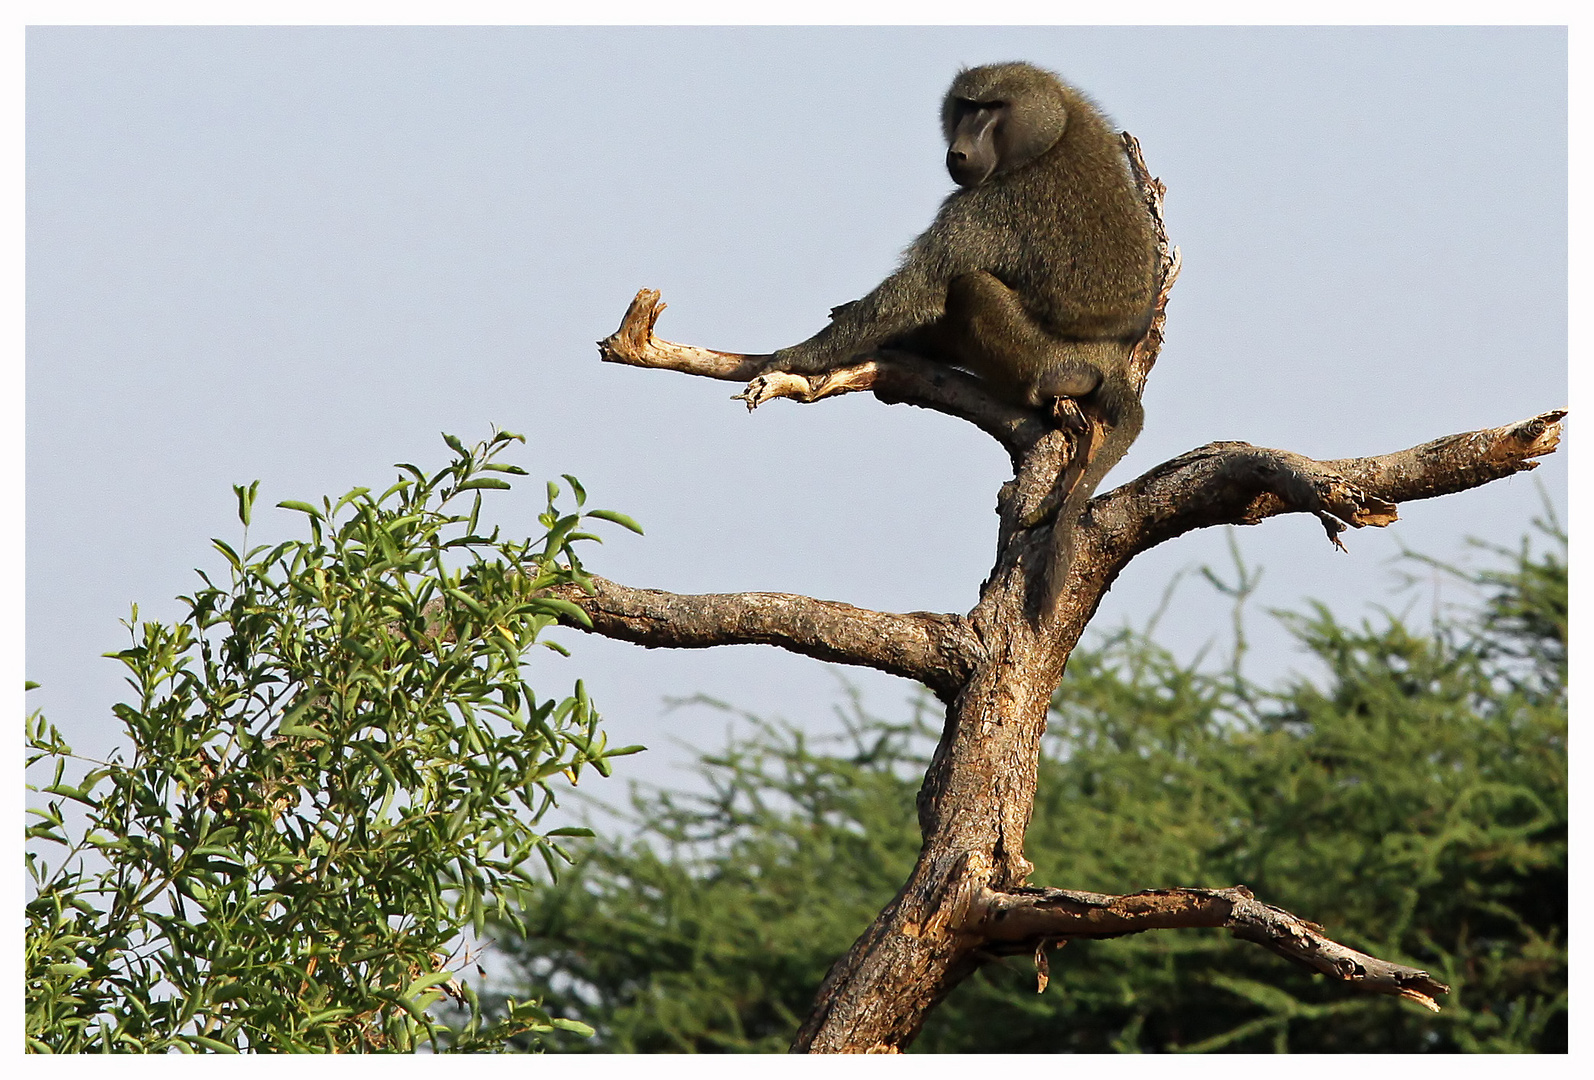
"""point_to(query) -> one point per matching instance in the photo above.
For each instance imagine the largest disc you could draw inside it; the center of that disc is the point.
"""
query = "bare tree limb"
(634, 344)
(894, 377)
(1455, 462)
(1026, 919)
(936, 650)
(900, 378)
(1235, 483)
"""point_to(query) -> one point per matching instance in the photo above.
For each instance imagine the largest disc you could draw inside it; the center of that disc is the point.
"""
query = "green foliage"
(336, 771)
(1411, 798)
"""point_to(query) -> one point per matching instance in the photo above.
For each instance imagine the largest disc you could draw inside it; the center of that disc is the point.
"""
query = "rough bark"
(936, 650)
(1031, 920)
(997, 666)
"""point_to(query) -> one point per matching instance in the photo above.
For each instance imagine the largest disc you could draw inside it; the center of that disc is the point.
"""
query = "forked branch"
(1032, 918)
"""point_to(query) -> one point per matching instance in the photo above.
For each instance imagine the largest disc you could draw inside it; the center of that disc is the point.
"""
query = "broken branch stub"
(634, 344)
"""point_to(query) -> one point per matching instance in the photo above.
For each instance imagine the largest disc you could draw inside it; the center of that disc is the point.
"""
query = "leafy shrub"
(335, 771)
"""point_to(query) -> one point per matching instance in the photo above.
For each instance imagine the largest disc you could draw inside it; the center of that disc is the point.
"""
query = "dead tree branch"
(1234, 483)
(936, 650)
(894, 377)
(1025, 920)
(1152, 191)
(634, 344)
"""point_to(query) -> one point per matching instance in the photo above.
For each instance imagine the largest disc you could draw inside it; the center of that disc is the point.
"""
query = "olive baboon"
(1037, 274)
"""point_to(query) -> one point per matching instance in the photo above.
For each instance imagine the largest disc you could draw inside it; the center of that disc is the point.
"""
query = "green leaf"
(302, 507)
(426, 982)
(378, 762)
(575, 1027)
(402, 1002)
(484, 482)
(556, 606)
(303, 731)
(469, 601)
(350, 497)
(227, 991)
(618, 518)
(246, 500)
(293, 715)
(76, 794)
(228, 552)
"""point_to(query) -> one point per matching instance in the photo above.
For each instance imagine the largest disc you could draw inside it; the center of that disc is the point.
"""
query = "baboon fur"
(1037, 273)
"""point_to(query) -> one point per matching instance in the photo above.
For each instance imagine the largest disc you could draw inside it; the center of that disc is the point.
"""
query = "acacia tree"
(996, 667)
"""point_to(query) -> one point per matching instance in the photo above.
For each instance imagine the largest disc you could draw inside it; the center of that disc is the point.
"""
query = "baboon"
(1037, 273)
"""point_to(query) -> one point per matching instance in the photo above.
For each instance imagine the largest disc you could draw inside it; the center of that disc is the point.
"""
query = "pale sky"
(296, 255)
